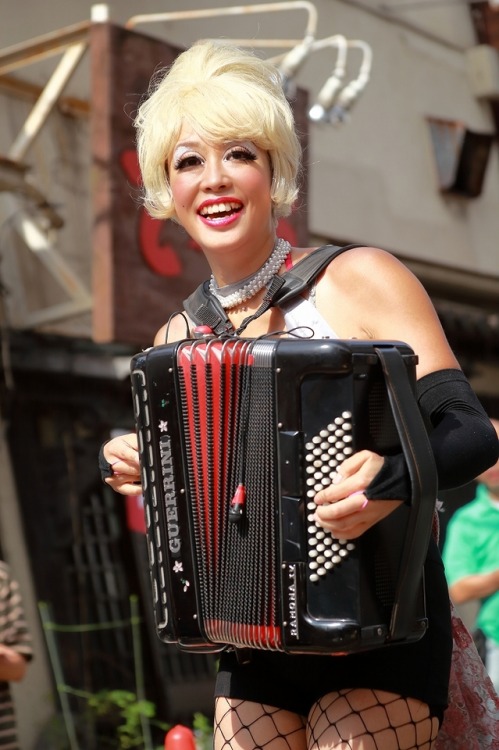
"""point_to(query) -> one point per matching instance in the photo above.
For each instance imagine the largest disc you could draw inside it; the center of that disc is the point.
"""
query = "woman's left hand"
(342, 508)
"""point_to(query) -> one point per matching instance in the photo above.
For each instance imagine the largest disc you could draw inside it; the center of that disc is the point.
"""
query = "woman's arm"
(476, 586)
(119, 464)
(367, 293)
(376, 297)
(119, 457)
(13, 665)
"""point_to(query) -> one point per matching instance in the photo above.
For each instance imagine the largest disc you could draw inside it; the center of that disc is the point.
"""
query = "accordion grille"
(228, 422)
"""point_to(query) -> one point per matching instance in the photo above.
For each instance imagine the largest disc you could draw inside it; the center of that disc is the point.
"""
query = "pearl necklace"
(235, 294)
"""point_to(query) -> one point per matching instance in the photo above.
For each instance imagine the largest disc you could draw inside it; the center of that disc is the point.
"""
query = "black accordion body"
(236, 436)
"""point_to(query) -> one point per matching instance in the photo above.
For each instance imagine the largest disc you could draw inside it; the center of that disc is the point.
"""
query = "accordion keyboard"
(323, 453)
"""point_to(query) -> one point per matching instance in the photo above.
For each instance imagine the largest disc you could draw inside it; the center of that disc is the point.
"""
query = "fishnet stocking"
(345, 720)
(370, 720)
(244, 725)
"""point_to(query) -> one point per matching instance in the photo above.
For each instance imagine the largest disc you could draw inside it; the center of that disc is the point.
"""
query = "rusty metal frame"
(38, 232)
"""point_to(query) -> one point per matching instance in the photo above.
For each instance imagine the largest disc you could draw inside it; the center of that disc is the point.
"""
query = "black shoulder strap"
(303, 274)
(204, 309)
(424, 484)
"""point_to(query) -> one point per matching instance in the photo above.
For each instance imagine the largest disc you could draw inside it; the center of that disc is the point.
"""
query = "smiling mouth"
(220, 210)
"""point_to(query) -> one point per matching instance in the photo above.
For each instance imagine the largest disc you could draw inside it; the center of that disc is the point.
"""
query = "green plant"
(108, 715)
(203, 731)
(129, 712)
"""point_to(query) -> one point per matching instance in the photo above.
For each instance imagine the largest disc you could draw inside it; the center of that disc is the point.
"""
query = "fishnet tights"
(345, 720)
(370, 720)
(246, 725)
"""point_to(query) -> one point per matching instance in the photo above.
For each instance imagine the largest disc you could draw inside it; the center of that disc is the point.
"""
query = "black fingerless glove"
(106, 470)
(463, 441)
(392, 482)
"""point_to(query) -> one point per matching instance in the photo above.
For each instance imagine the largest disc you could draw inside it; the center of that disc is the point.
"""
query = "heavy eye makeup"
(241, 152)
(185, 157)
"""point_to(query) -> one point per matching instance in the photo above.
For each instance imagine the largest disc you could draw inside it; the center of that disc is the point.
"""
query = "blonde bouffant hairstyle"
(225, 94)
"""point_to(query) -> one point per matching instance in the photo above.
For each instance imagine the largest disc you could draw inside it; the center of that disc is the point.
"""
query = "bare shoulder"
(360, 263)
(371, 276)
(369, 293)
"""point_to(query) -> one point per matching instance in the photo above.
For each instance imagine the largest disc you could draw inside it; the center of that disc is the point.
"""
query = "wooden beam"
(27, 91)
(41, 47)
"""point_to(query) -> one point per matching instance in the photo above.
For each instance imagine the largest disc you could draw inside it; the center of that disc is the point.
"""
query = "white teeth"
(217, 208)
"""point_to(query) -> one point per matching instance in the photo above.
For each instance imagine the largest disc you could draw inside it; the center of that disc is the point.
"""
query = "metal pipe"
(257, 43)
(232, 11)
(53, 653)
(26, 53)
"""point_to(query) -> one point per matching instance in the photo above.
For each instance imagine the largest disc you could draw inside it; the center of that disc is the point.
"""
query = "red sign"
(135, 517)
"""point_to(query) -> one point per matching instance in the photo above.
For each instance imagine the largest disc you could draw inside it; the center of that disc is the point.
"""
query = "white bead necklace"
(235, 294)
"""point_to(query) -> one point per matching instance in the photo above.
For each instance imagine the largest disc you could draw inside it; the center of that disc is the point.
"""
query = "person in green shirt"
(471, 559)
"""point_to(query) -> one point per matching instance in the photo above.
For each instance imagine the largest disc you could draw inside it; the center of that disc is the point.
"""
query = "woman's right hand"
(123, 454)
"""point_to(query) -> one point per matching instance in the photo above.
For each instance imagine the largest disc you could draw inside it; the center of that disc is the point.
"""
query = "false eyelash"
(246, 153)
(183, 161)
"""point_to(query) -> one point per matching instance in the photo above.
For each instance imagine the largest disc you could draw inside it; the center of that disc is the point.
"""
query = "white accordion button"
(323, 454)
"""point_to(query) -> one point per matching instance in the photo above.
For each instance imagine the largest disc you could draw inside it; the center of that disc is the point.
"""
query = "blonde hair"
(225, 94)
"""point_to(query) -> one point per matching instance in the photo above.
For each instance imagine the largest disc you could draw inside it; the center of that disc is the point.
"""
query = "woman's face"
(221, 191)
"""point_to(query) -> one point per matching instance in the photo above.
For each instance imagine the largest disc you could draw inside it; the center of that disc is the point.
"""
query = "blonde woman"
(219, 154)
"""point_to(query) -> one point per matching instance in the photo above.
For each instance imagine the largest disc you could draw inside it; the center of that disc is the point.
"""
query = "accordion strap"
(422, 471)
(204, 309)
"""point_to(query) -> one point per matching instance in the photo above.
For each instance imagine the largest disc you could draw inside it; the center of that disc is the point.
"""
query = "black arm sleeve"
(462, 438)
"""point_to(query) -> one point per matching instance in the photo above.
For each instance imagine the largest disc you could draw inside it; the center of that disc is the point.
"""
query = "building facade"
(412, 166)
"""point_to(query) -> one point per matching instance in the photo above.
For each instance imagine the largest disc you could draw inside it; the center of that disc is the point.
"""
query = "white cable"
(334, 109)
(294, 59)
(330, 89)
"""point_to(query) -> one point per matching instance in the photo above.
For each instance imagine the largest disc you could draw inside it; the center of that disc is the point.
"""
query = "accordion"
(235, 437)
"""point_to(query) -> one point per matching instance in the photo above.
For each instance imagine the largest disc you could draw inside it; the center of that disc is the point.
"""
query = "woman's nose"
(215, 175)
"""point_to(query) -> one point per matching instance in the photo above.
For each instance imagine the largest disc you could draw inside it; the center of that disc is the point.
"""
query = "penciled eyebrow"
(187, 146)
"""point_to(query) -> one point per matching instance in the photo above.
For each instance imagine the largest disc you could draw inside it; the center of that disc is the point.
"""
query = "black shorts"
(295, 682)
